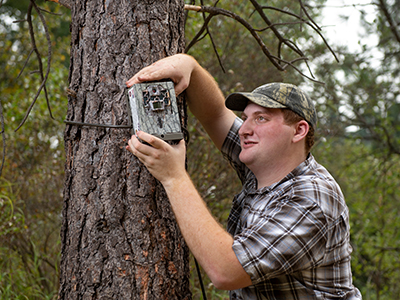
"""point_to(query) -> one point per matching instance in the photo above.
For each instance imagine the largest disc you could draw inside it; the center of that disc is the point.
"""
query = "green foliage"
(30, 211)
(11, 217)
(370, 186)
(360, 144)
(19, 281)
(20, 275)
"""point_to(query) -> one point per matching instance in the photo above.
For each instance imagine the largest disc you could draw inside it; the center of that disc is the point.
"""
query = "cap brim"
(239, 101)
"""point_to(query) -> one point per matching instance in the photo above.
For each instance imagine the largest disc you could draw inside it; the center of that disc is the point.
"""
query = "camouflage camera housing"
(154, 110)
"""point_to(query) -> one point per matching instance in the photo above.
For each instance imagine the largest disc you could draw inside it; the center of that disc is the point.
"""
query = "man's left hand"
(164, 161)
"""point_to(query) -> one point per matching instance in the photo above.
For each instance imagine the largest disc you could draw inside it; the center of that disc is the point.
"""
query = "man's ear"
(301, 129)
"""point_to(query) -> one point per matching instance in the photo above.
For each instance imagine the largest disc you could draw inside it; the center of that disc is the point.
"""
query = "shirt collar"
(251, 184)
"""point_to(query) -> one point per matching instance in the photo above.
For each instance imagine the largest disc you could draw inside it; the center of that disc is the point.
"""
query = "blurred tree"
(34, 165)
(359, 123)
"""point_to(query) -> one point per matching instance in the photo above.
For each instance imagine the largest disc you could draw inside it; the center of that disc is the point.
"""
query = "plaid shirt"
(293, 237)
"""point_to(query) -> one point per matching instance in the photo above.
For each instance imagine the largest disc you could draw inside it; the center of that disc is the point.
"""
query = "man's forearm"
(207, 103)
(208, 241)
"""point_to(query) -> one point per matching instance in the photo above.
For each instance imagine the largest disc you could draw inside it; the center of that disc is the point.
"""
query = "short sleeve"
(231, 150)
(286, 236)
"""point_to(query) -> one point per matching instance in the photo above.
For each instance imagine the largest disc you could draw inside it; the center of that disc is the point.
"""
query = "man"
(288, 231)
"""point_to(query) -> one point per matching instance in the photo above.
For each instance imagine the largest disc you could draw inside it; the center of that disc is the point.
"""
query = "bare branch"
(65, 3)
(393, 27)
(49, 12)
(26, 62)
(214, 11)
(192, 7)
(3, 134)
(20, 21)
(306, 61)
(199, 36)
(316, 28)
(277, 61)
(290, 63)
(35, 49)
(383, 249)
(260, 10)
(213, 43)
(303, 9)
(385, 139)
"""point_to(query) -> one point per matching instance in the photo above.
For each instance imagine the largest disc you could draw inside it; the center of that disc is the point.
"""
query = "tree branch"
(277, 61)
(286, 42)
(65, 3)
(26, 62)
(3, 134)
(212, 41)
(199, 36)
(214, 11)
(383, 249)
(393, 27)
(386, 139)
(39, 59)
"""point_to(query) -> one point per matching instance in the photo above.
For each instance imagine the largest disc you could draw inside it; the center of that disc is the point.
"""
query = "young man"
(288, 231)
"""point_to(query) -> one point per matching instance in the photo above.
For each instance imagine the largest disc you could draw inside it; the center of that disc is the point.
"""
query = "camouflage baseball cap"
(276, 95)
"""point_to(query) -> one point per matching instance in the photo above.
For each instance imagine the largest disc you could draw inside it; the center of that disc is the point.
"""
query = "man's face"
(264, 137)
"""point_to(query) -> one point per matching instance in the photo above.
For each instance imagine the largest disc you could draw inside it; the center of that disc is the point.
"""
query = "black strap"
(96, 125)
(200, 279)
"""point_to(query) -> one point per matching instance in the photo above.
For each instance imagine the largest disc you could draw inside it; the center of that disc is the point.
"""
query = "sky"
(346, 31)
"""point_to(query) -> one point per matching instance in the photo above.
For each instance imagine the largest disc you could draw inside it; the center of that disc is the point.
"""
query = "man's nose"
(246, 128)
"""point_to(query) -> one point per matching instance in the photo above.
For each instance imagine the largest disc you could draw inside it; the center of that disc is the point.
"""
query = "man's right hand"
(178, 68)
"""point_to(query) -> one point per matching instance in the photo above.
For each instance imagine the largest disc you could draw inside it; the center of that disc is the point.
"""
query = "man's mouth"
(248, 143)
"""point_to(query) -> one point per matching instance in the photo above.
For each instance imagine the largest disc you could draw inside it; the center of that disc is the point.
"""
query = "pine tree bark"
(119, 236)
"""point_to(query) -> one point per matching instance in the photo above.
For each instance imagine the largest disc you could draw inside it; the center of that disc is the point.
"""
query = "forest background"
(358, 136)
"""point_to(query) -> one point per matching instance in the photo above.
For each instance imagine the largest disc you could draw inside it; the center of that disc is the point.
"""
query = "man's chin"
(244, 159)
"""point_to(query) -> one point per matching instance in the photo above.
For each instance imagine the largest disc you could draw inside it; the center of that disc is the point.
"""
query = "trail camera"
(154, 110)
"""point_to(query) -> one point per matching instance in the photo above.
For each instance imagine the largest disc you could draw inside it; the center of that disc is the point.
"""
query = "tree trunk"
(119, 236)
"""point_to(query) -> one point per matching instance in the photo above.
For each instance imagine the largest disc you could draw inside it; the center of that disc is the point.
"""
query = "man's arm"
(208, 241)
(204, 98)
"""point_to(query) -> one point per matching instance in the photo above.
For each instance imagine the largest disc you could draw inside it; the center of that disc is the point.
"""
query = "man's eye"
(260, 118)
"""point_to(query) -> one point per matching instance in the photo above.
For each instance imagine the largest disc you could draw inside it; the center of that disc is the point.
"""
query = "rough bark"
(119, 236)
